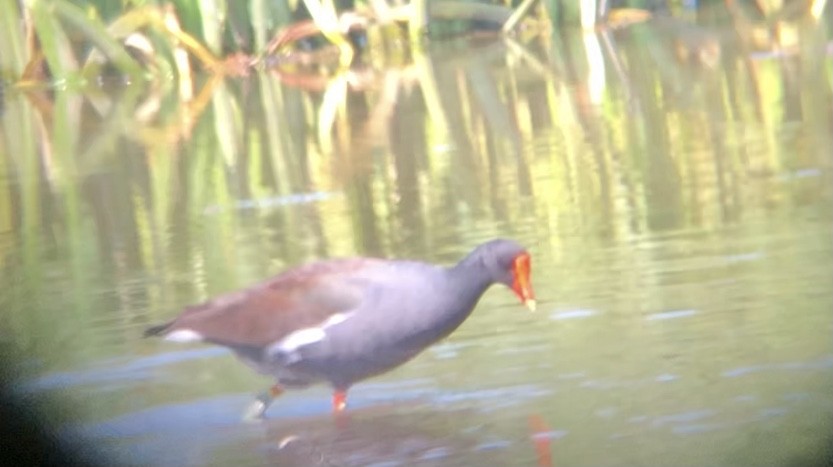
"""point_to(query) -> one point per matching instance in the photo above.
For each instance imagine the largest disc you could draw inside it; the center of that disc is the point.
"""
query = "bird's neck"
(469, 279)
(463, 284)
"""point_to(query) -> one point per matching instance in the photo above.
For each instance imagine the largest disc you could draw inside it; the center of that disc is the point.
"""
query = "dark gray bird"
(344, 320)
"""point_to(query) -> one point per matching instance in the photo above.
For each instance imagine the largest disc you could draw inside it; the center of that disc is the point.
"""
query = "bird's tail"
(157, 330)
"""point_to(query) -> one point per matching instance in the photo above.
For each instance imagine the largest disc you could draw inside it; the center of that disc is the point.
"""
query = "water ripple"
(287, 200)
(821, 364)
(681, 417)
(572, 314)
(670, 315)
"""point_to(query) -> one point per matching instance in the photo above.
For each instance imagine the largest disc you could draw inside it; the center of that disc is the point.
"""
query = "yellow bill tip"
(530, 303)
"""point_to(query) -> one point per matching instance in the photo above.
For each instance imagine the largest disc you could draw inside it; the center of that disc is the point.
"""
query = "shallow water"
(678, 213)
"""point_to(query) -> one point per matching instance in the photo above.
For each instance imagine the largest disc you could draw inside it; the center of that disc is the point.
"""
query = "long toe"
(255, 411)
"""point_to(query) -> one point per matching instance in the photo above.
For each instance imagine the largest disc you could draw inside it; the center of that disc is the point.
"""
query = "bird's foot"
(254, 413)
(257, 409)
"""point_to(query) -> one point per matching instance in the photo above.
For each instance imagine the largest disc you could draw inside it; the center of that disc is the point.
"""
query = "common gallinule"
(343, 320)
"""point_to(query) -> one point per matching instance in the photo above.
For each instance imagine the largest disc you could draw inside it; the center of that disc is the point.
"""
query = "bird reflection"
(381, 436)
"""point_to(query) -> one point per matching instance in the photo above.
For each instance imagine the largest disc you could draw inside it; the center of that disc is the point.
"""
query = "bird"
(340, 321)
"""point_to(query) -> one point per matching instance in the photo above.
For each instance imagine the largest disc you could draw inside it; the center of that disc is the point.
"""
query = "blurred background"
(668, 164)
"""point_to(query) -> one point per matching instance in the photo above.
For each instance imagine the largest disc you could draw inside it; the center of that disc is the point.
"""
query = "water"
(678, 212)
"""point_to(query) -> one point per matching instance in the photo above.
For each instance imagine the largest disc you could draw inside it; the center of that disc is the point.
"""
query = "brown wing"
(265, 313)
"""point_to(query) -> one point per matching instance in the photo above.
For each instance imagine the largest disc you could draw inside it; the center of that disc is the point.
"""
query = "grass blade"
(13, 56)
(54, 42)
(97, 33)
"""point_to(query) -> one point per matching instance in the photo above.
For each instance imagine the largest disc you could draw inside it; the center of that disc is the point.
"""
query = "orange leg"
(339, 401)
(275, 391)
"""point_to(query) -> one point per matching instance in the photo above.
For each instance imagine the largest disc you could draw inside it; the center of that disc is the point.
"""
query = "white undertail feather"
(184, 335)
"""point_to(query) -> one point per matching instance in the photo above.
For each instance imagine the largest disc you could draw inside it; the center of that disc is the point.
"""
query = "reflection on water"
(673, 184)
(383, 434)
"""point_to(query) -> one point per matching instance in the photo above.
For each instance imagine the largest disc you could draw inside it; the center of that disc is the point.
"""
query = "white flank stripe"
(335, 319)
(184, 335)
(291, 343)
(298, 339)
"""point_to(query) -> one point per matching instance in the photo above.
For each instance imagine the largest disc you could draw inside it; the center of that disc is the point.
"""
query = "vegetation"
(67, 43)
